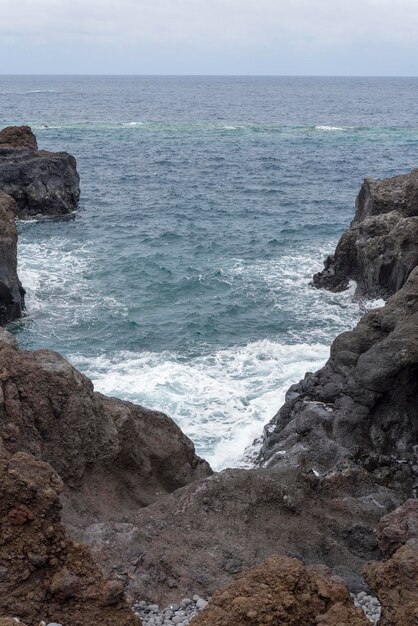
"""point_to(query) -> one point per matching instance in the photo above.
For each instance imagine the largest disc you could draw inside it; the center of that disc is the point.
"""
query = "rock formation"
(380, 249)
(113, 456)
(12, 301)
(43, 574)
(363, 404)
(41, 182)
(282, 591)
(395, 581)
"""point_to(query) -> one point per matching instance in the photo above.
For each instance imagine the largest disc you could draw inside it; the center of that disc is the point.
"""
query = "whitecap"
(329, 128)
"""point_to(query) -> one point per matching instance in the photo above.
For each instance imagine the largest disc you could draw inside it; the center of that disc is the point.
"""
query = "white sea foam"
(56, 280)
(132, 123)
(220, 400)
(329, 128)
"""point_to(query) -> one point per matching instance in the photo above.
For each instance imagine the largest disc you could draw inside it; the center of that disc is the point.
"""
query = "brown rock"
(396, 528)
(113, 456)
(68, 588)
(19, 137)
(282, 592)
(395, 583)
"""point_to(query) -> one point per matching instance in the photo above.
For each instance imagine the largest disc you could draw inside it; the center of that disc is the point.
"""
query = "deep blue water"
(207, 203)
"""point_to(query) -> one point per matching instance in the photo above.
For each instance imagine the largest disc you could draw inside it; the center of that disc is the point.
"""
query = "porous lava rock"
(380, 248)
(43, 574)
(282, 592)
(12, 294)
(395, 580)
(41, 182)
(362, 405)
(18, 137)
(113, 456)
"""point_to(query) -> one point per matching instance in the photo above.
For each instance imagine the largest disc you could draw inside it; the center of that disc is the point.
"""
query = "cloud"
(211, 23)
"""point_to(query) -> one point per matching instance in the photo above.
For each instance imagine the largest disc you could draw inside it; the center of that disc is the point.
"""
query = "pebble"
(370, 606)
(179, 614)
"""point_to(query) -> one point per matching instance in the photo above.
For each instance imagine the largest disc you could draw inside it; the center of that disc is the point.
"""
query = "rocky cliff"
(12, 294)
(363, 405)
(379, 250)
(41, 182)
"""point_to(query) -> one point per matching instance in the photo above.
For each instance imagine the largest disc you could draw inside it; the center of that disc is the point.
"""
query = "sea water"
(207, 203)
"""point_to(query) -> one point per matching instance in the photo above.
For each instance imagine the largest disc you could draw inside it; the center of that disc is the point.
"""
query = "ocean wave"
(220, 400)
(330, 128)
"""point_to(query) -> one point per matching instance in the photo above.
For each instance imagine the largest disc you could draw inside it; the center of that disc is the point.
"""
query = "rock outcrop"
(41, 182)
(380, 249)
(362, 406)
(113, 456)
(395, 581)
(196, 539)
(12, 294)
(282, 591)
(43, 574)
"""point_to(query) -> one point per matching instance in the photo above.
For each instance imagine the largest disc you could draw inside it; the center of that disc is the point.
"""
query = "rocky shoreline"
(99, 497)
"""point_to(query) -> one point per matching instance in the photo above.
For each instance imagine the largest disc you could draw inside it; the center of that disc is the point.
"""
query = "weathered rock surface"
(113, 456)
(43, 574)
(395, 581)
(12, 300)
(41, 182)
(380, 249)
(398, 527)
(18, 137)
(196, 539)
(363, 405)
(282, 591)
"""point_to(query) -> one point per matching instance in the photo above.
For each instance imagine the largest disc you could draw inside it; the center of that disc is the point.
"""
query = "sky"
(263, 37)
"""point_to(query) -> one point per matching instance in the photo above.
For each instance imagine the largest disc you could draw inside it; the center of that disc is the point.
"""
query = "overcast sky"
(349, 37)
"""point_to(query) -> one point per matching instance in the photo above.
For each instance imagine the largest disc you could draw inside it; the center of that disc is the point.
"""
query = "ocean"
(207, 203)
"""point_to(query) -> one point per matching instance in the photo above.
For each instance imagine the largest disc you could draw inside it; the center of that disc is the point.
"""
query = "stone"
(41, 182)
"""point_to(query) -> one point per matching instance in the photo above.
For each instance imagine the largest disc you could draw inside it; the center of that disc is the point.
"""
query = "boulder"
(12, 294)
(282, 591)
(380, 249)
(41, 182)
(43, 574)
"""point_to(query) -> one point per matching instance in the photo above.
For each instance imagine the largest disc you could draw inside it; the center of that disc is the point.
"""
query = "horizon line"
(210, 75)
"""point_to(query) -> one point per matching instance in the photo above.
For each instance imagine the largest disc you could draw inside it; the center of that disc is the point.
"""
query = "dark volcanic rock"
(113, 456)
(41, 182)
(363, 405)
(45, 575)
(282, 591)
(12, 301)
(198, 538)
(380, 249)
